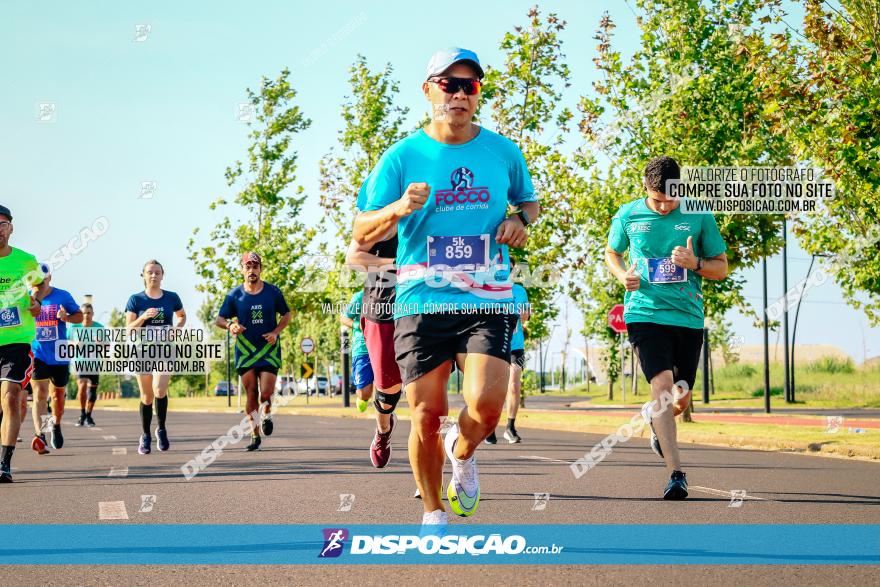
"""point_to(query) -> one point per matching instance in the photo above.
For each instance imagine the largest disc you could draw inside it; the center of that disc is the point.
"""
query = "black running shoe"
(266, 426)
(81, 421)
(492, 439)
(255, 444)
(162, 441)
(90, 423)
(677, 488)
(57, 437)
(5, 473)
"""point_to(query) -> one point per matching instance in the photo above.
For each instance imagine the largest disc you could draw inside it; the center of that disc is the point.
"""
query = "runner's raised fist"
(413, 199)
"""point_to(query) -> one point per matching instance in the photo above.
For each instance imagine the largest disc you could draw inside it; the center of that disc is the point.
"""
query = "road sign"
(306, 371)
(615, 319)
(307, 345)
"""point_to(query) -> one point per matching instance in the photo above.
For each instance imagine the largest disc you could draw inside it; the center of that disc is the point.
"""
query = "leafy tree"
(688, 92)
(372, 124)
(270, 206)
(821, 93)
(524, 99)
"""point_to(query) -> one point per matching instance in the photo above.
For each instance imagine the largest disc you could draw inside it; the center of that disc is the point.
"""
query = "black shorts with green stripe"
(247, 356)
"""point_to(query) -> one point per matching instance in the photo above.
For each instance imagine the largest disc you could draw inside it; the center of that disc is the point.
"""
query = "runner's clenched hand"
(413, 199)
(512, 232)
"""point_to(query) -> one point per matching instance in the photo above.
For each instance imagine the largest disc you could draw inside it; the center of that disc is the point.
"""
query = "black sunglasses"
(452, 85)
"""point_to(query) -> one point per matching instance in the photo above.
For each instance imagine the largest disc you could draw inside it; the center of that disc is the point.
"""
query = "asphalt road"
(305, 467)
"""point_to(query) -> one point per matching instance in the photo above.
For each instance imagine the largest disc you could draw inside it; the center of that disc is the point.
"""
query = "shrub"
(737, 370)
(831, 365)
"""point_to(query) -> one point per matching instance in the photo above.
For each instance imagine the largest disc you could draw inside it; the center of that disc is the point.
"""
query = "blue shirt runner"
(447, 256)
(50, 330)
(258, 313)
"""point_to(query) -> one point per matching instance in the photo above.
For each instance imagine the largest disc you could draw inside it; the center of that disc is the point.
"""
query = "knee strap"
(389, 399)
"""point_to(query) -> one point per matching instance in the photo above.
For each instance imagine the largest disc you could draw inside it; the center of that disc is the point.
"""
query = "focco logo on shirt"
(462, 192)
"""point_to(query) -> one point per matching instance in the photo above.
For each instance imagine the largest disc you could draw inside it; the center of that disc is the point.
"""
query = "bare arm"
(282, 324)
(232, 326)
(512, 231)
(132, 320)
(378, 225)
(714, 268)
(75, 318)
(346, 321)
(181, 318)
(628, 277)
(358, 258)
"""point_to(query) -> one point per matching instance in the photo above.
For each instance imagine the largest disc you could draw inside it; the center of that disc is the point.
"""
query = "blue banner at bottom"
(609, 544)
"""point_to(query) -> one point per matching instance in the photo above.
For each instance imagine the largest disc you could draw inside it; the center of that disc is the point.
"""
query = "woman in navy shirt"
(154, 307)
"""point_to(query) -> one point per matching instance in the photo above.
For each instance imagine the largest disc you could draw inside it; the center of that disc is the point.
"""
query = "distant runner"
(361, 370)
(154, 308)
(86, 385)
(251, 314)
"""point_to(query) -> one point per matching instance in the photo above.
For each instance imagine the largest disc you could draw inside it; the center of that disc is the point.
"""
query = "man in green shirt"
(670, 253)
(19, 271)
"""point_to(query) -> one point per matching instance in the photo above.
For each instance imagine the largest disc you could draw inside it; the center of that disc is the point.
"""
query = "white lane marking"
(120, 450)
(547, 459)
(118, 472)
(723, 493)
(109, 437)
(112, 510)
(98, 429)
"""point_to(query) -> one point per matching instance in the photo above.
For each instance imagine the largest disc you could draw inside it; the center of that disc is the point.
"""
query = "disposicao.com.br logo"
(451, 544)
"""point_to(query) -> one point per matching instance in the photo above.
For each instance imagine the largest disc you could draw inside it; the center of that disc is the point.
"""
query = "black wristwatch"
(699, 263)
(524, 218)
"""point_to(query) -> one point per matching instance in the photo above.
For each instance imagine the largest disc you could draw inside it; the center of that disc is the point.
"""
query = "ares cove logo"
(334, 541)
(463, 195)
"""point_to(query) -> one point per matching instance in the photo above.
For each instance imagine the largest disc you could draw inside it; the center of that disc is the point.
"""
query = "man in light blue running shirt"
(446, 190)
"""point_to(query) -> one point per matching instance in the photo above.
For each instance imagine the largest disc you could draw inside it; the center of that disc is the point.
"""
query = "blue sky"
(164, 110)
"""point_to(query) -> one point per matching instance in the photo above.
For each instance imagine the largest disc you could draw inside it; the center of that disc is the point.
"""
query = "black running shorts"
(423, 342)
(59, 375)
(16, 363)
(518, 357)
(667, 348)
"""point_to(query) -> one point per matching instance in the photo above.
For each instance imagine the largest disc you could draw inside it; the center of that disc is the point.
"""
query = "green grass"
(827, 383)
(805, 439)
